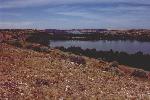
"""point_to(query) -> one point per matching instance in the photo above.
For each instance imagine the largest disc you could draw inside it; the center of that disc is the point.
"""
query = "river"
(105, 45)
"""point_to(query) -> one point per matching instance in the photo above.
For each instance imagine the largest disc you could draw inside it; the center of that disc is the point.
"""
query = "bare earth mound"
(55, 75)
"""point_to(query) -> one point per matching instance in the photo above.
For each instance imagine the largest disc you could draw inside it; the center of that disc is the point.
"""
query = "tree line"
(99, 36)
(138, 60)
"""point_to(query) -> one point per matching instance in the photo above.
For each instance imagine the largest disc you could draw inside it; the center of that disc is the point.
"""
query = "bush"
(114, 64)
(42, 82)
(41, 38)
(79, 60)
(38, 48)
(16, 43)
(44, 49)
(139, 73)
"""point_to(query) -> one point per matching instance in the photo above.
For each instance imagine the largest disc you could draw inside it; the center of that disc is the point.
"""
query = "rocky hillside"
(36, 73)
(24, 35)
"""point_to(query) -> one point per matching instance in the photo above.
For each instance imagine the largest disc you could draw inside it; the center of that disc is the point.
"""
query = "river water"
(105, 45)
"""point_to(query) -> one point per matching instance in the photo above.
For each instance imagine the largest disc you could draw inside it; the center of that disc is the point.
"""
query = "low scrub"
(138, 60)
(77, 59)
(38, 47)
(114, 64)
(139, 73)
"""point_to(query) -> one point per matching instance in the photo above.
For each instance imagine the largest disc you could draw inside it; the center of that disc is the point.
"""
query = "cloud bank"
(74, 13)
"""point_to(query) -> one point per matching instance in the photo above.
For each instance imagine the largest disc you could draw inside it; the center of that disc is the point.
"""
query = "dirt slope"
(55, 75)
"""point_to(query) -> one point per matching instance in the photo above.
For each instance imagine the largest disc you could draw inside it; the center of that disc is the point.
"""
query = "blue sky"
(67, 14)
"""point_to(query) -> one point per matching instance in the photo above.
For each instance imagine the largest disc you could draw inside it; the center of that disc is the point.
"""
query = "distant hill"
(75, 31)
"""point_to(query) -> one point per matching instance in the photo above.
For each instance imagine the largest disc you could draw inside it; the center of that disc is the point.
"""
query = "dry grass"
(30, 75)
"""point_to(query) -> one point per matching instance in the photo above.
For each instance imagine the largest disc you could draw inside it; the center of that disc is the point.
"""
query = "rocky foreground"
(51, 74)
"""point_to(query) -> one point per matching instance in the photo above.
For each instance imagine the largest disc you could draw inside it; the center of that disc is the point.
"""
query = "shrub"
(113, 68)
(44, 49)
(41, 38)
(38, 48)
(77, 59)
(16, 43)
(139, 73)
(42, 82)
(114, 64)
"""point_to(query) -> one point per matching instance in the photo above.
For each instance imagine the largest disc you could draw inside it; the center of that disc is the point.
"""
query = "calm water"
(104, 45)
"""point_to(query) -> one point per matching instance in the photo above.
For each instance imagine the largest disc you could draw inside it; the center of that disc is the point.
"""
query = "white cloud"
(19, 24)
(74, 13)
(92, 16)
(27, 3)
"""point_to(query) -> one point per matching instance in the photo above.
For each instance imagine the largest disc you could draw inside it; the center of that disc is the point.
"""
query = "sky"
(72, 14)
